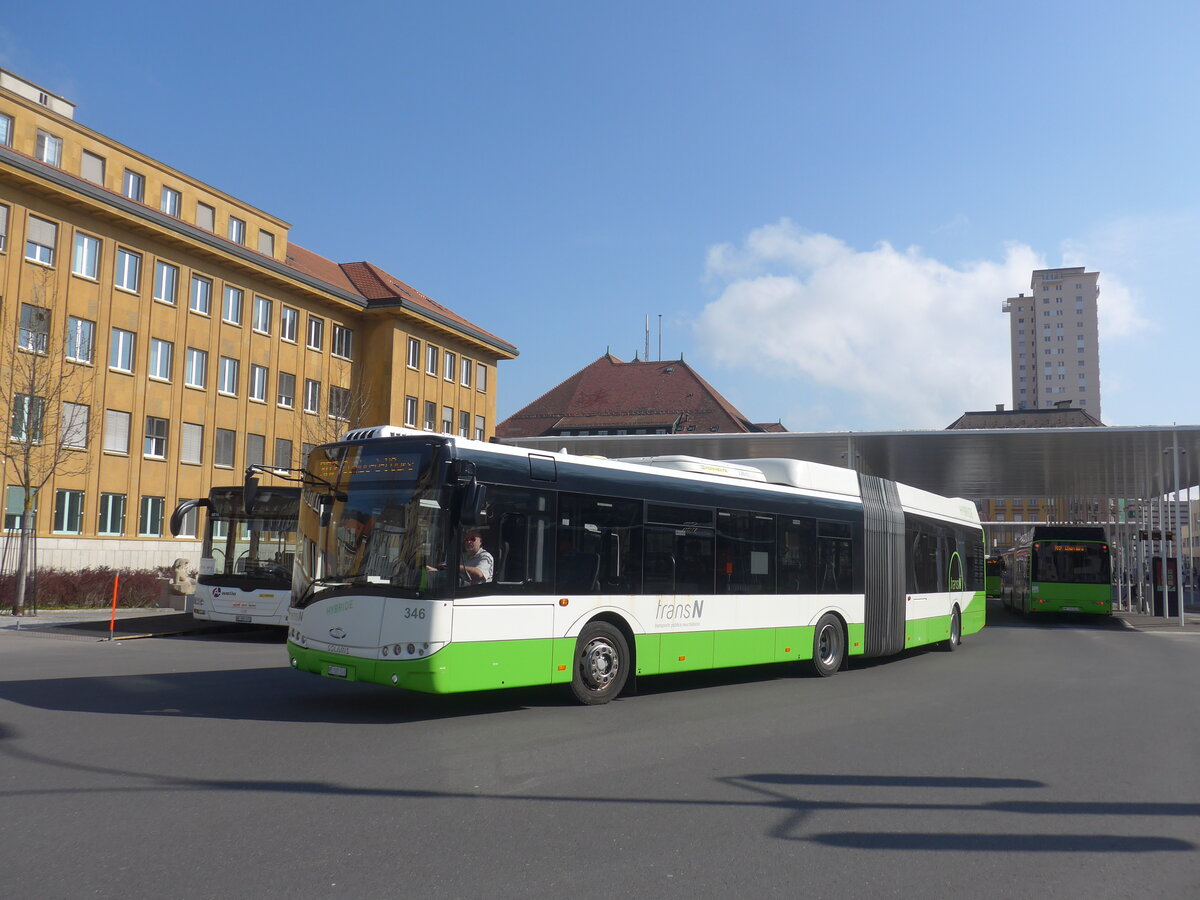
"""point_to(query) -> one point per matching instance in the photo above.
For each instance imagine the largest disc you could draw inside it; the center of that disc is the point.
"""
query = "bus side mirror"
(249, 493)
(472, 498)
(181, 512)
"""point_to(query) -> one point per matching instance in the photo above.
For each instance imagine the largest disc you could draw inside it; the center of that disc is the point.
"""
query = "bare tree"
(346, 408)
(46, 406)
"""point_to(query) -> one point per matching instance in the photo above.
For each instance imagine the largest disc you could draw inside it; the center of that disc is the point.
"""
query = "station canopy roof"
(1106, 462)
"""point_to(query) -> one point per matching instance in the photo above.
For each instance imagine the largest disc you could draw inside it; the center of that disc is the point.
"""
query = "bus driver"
(476, 564)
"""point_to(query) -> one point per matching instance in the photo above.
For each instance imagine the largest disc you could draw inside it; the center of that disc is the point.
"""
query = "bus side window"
(521, 539)
(797, 548)
(599, 545)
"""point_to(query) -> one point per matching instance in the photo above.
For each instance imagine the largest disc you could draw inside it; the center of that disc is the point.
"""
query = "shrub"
(86, 588)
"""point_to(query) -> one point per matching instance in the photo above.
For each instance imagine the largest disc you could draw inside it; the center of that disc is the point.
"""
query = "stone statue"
(181, 580)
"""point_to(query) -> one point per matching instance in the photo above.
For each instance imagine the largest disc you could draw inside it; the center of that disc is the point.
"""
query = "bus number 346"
(411, 612)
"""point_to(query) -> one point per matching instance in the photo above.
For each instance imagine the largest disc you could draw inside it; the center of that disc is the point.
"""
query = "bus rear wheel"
(829, 646)
(601, 664)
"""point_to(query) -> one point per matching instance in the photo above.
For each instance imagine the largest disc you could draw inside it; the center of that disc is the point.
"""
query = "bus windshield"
(1074, 562)
(257, 547)
(372, 516)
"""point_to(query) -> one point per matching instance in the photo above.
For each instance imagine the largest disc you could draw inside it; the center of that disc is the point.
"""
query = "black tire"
(601, 664)
(829, 646)
(955, 631)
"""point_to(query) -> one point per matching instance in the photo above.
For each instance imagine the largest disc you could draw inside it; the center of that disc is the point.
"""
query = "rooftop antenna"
(660, 337)
(647, 356)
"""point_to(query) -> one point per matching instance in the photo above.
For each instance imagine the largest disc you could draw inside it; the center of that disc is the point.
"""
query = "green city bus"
(1059, 569)
(600, 570)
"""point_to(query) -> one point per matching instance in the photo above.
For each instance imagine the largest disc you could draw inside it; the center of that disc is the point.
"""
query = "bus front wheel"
(601, 664)
(829, 646)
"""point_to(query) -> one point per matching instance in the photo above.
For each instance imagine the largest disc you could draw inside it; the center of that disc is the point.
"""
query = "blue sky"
(825, 203)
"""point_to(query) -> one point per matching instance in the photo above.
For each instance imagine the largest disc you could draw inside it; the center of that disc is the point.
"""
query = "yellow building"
(192, 339)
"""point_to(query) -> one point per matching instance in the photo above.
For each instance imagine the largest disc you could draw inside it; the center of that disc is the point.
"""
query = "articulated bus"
(599, 570)
(246, 559)
(1059, 569)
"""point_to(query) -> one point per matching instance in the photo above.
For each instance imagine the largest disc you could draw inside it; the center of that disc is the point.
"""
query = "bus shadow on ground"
(1000, 616)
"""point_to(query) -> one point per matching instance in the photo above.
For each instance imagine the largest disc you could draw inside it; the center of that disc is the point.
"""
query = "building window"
(133, 186)
(223, 448)
(410, 412)
(258, 383)
(49, 148)
(414, 353)
(91, 168)
(151, 519)
(120, 355)
(312, 396)
(161, 355)
(288, 320)
(339, 402)
(480, 377)
(195, 372)
(430, 415)
(112, 514)
(171, 202)
(75, 421)
(231, 310)
(166, 282)
(68, 512)
(129, 270)
(479, 428)
(287, 391)
(14, 508)
(28, 414)
(432, 354)
(448, 367)
(3, 227)
(34, 331)
(255, 448)
(316, 332)
(342, 344)
(156, 438)
(466, 372)
(6, 130)
(237, 230)
(191, 443)
(464, 423)
(447, 420)
(200, 299)
(116, 431)
(206, 217)
(266, 243)
(283, 453)
(227, 376)
(262, 315)
(40, 241)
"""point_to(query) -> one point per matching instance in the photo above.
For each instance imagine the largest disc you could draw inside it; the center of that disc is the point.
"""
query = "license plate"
(245, 620)
(1070, 609)
(336, 671)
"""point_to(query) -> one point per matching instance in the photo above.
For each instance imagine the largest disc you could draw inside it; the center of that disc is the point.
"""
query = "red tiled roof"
(610, 394)
(376, 287)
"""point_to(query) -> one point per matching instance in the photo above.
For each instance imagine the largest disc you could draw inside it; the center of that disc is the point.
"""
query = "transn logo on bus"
(674, 612)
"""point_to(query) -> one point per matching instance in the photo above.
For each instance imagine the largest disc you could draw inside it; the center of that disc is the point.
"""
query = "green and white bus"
(605, 569)
(245, 573)
(1059, 569)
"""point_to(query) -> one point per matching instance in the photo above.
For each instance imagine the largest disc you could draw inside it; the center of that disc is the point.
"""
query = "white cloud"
(913, 341)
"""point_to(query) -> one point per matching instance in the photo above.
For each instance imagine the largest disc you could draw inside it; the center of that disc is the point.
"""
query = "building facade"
(1054, 338)
(190, 339)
